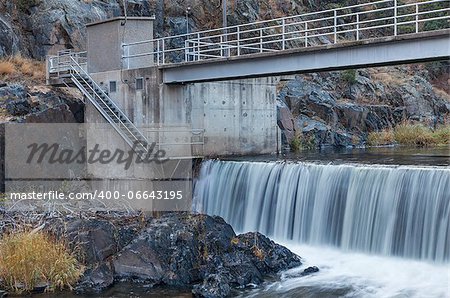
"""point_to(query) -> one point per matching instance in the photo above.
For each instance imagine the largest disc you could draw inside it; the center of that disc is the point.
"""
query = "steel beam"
(414, 48)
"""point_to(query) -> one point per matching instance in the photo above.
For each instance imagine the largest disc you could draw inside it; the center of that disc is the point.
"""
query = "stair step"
(107, 105)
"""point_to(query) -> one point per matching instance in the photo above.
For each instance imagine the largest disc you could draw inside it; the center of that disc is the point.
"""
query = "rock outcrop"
(175, 249)
(331, 109)
(39, 104)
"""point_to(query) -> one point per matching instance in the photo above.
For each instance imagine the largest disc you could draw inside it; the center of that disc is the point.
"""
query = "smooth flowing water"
(370, 227)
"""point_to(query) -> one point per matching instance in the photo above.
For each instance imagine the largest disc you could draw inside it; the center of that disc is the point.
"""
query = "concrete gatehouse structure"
(188, 120)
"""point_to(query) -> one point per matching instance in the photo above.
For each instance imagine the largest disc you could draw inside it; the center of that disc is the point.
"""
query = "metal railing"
(96, 95)
(63, 61)
(72, 66)
(352, 23)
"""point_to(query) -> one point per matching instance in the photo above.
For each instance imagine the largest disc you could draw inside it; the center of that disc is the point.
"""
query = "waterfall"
(395, 211)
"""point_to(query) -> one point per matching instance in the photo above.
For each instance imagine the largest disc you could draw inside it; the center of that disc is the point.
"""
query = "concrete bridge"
(378, 33)
(384, 51)
(214, 92)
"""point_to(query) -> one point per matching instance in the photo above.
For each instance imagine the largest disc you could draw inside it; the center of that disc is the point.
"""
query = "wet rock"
(285, 121)
(96, 279)
(309, 271)
(181, 249)
(95, 240)
(214, 286)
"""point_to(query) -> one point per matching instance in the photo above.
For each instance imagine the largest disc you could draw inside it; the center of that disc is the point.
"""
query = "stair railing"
(75, 68)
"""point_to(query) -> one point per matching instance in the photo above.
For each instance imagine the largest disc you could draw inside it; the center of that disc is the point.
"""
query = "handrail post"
(186, 50)
(238, 32)
(306, 34)
(157, 52)
(163, 51)
(357, 26)
(335, 26)
(417, 18)
(395, 17)
(198, 47)
(283, 36)
(260, 40)
(222, 53)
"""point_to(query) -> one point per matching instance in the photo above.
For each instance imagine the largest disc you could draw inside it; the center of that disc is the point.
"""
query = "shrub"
(385, 137)
(30, 259)
(301, 141)
(296, 142)
(349, 76)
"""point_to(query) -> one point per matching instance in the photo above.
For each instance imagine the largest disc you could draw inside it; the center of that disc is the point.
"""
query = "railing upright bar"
(157, 52)
(357, 26)
(417, 18)
(198, 47)
(260, 40)
(306, 34)
(283, 26)
(163, 52)
(395, 17)
(238, 32)
(335, 26)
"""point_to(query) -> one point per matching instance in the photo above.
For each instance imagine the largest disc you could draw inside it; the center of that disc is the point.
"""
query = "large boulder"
(181, 249)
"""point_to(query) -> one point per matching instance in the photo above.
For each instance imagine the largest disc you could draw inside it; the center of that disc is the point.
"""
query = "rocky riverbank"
(174, 249)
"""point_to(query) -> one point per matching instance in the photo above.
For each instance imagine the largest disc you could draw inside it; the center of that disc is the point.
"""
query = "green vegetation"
(302, 142)
(411, 135)
(349, 76)
(31, 259)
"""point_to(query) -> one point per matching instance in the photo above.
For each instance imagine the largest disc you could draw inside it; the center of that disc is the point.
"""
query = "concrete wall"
(238, 117)
(105, 39)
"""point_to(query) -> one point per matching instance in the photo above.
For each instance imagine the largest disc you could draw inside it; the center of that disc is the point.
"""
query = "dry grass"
(20, 69)
(411, 135)
(235, 241)
(388, 78)
(441, 135)
(30, 259)
(258, 252)
(385, 137)
(6, 68)
(441, 93)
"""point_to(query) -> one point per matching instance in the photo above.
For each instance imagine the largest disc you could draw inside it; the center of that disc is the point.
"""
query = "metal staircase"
(104, 104)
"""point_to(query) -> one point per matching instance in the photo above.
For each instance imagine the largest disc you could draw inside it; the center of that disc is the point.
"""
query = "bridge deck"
(411, 48)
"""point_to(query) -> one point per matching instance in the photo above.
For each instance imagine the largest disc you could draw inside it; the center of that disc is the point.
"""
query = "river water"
(376, 223)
